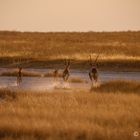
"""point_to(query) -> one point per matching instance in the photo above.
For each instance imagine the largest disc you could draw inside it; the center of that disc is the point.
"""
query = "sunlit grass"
(75, 45)
(103, 57)
(116, 48)
(84, 115)
(108, 111)
(118, 86)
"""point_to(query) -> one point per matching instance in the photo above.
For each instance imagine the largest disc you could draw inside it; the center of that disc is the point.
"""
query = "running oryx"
(66, 72)
(19, 75)
(93, 73)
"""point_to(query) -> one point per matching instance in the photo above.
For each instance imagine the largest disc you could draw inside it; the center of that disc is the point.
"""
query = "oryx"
(19, 75)
(93, 73)
(66, 72)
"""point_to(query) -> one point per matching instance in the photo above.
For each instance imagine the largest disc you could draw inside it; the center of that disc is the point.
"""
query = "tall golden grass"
(84, 115)
(118, 86)
(59, 44)
(119, 48)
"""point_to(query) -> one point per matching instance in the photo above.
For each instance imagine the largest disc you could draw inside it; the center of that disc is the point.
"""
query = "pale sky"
(70, 15)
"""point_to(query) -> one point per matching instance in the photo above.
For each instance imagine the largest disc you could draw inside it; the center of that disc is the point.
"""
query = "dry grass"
(33, 115)
(45, 49)
(118, 86)
(6, 94)
(59, 44)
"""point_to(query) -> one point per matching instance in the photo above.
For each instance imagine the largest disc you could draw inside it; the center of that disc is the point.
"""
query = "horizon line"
(117, 31)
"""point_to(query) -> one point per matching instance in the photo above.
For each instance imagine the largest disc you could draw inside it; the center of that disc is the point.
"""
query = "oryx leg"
(95, 76)
(66, 76)
(91, 78)
(19, 80)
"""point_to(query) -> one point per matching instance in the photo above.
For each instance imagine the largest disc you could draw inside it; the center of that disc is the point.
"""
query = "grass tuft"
(6, 94)
(118, 86)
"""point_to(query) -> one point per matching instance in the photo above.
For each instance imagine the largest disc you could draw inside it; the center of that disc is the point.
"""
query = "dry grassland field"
(106, 110)
(104, 114)
(118, 50)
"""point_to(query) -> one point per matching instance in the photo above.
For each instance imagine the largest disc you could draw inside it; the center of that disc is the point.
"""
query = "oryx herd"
(93, 72)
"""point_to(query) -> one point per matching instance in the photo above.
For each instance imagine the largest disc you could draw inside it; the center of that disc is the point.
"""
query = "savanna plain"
(109, 111)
